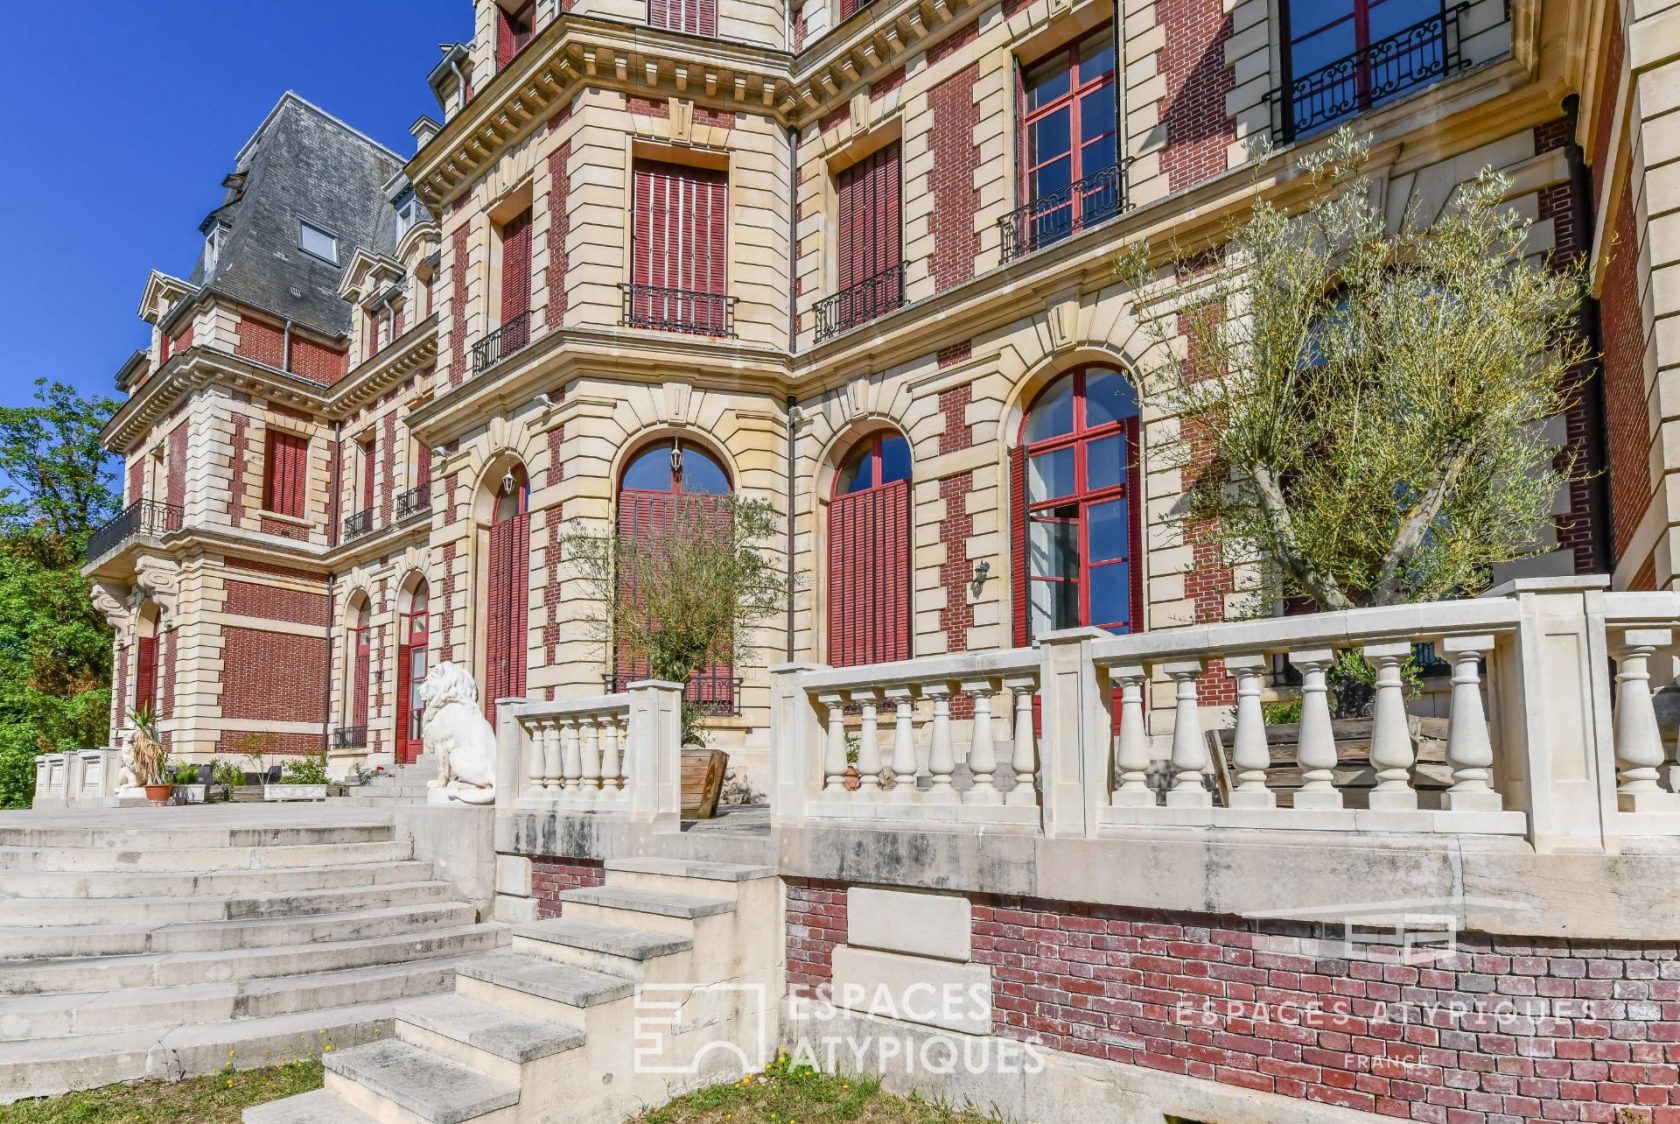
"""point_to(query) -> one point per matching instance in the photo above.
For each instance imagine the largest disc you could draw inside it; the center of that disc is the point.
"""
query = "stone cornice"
(398, 360)
(393, 536)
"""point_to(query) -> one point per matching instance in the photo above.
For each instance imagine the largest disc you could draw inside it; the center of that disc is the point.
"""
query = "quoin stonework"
(857, 258)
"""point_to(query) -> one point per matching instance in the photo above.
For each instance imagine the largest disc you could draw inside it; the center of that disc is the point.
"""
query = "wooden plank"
(702, 782)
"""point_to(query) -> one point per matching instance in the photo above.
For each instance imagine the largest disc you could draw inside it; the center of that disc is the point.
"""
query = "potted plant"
(190, 787)
(305, 779)
(150, 762)
(225, 776)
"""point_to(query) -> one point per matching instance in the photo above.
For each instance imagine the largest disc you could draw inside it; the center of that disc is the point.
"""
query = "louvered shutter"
(145, 673)
(285, 468)
(497, 623)
(869, 576)
(423, 467)
(516, 267)
(1018, 543)
(367, 458)
(519, 603)
(679, 243)
(871, 234)
(364, 670)
(505, 39)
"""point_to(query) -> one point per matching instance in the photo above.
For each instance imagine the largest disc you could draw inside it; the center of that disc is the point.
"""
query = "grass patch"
(794, 1093)
(214, 1099)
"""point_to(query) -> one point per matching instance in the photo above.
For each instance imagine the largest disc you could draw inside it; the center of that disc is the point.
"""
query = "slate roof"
(302, 164)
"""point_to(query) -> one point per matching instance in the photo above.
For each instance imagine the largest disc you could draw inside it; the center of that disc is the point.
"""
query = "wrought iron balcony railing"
(350, 737)
(678, 310)
(860, 304)
(1426, 51)
(1058, 214)
(143, 517)
(503, 342)
(414, 501)
(717, 693)
(357, 525)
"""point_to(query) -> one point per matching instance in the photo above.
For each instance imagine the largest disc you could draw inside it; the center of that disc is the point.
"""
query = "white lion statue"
(126, 778)
(453, 728)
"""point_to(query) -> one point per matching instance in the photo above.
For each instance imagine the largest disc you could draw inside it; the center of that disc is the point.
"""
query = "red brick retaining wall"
(551, 875)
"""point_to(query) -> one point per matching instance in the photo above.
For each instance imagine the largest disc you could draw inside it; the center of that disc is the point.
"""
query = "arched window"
(411, 669)
(869, 554)
(361, 672)
(508, 596)
(656, 480)
(1074, 480)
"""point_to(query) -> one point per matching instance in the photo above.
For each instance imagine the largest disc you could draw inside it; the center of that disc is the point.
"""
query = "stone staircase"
(163, 951)
(400, 784)
(551, 1028)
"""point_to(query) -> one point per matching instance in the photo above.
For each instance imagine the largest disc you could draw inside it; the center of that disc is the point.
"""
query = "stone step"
(483, 1036)
(652, 902)
(688, 877)
(538, 987)
(38, 977)
(153, 883)
(42, 1067)
(22, 944)
(71, 1013)
(164, 911)
(630, 953)
(432, 1088)
(183, 837)
(79, 859)
(319, 1107)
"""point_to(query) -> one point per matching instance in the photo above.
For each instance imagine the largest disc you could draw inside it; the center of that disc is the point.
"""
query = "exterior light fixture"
(509, 482)
(981, 569)
(676, 462)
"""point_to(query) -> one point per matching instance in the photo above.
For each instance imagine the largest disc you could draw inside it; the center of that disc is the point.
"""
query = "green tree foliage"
(688, 598)
(55, 647)
(1372, 398)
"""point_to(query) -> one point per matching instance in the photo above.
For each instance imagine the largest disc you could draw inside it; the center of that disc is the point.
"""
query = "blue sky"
(120, 123)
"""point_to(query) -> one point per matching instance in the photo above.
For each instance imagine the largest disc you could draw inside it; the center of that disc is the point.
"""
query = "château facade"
(853, 258)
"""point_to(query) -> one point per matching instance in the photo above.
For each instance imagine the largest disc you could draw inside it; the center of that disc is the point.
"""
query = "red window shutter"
(869, 576)
(367, 458)
(497, 624)
(516, 266)
(1018, 542)
(145, 673)
(519, 603)
(285, 469)
(423, 469)
(871, 227)
(505, 49)
(364, 670)
(679, 240)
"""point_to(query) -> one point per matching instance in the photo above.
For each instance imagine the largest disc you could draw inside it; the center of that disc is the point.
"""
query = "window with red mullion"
(1344, 30)
(513, 32)
(1068, 123)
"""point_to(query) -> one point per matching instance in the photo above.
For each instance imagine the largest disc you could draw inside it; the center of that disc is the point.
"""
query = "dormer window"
(213, 247)
(318, 243)
(513, 31)
(405, 216)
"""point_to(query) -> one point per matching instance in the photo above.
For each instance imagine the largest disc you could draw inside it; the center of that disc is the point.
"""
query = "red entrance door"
(411, 670)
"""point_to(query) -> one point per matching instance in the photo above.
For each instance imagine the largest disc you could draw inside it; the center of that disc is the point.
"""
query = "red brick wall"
(241, 450)
(274, 676)
(559, 224)
(119, 685)
(816, 922)
(261, 341)
(446, 616)
(951, 179)
(388, 468)
(1624, 379)
(957, 617)
(136, 486)
(272, 526)
(238, 742)
(175, 489)
(550, 876)
(1609, 83)
(318, 362)
(248, 599)
(458, 307)
(1198, 80)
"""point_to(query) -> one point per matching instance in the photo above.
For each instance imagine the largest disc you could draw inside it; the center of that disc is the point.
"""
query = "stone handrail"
(608, 753)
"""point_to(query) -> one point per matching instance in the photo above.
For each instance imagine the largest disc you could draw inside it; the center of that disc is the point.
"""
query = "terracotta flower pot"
(159, 793)
(853, 780)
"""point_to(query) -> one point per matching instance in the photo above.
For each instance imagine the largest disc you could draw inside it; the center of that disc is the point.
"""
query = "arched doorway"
(506, 603)
(411, 668)
(869, 553)
(656, 480)
(1074, 479)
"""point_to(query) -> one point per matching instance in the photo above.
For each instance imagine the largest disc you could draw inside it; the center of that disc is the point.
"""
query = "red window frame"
(1080, 87)
(145, 674)
(1080, 437)
(411, 670)
(1358, 14)
(361, 639)
(679, 246)
(869, 568)
(507, 602)
(513, 32)
(285, 468)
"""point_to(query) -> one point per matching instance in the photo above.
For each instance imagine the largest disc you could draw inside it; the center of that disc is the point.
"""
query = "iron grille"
(357, 525)
(1058, 214)
(678, 310)
(503, 342)
(143, 517)
(860, 304)
(414, 501)
(350, 737)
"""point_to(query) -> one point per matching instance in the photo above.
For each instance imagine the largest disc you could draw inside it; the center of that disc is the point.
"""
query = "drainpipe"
(793, 343)
(791, 493)
(332, 589)
(286, 347)
(1592, 392)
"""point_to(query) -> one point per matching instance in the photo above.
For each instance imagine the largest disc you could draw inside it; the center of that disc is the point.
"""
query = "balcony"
(860, 304)
(357, 525)
(1059, 214)
(414, 501)
(716, 693)
(1425, 52)
(678, 310)
(144, 517)
(503, 342)
(350, 737)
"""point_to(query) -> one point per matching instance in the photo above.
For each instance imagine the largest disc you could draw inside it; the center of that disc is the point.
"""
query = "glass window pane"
(1051, 183)
(1050, 475)
(1096, 55)
(702, 475)
(1054, 605)
(1047, 82)
(895, 459)
(1310, 15)
(1105, 462)
(651, 470)
(1107, 531)
(1053, 546)
(1109, 397)
(858, 472)
(1050, 136)
(1323, 48)
(1052, 414)
(1389, 17)
(1096, 112)
(1111, 596)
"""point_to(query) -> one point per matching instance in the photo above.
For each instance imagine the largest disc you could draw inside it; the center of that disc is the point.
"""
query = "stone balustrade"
(81, 778)
(1551, 733)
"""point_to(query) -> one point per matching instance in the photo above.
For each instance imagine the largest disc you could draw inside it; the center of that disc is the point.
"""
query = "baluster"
(982, 748)
(1131, 754)
(869, 744)
(571, 763)
(591, 734)
(551, 758)
(537, 730)
(834, 751)
(941, 761)
(1469, 749)
(1250, 752)
(1189, 747)
(1638, 740)
(1024, 759)
(1391, 737)
(903, 748)
(1315, 748)
(611, 783)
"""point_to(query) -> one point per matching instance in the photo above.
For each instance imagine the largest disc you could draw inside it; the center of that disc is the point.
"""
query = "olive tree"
(1370, 399)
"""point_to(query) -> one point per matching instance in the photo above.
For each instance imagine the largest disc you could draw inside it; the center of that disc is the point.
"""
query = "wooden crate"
(702, 782)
